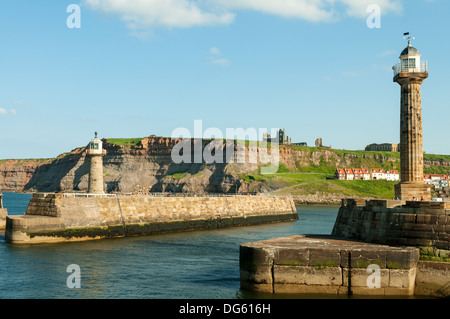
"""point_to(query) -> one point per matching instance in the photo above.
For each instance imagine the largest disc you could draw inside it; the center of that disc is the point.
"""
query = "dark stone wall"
(131, 230)
(425, 225)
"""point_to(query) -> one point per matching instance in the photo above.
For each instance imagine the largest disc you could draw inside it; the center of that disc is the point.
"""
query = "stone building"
(319, 143)
(281, 138)
(385, 147)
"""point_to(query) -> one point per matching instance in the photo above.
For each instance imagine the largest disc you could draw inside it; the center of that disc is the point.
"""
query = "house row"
(438, 181)
(350, 174)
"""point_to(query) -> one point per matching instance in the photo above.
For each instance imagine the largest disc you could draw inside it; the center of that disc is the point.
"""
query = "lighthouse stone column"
(95, 152)
(410, 76)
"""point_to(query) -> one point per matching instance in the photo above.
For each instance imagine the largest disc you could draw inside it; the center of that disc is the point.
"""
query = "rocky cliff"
(145, 167)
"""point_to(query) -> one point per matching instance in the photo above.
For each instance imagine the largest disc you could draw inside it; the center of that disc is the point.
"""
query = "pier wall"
(425, 225)
(53, 217)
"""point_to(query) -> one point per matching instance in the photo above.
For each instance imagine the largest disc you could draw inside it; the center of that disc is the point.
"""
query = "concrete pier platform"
(321, 264)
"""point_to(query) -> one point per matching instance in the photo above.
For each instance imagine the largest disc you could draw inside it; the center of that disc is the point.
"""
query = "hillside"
(144, 165)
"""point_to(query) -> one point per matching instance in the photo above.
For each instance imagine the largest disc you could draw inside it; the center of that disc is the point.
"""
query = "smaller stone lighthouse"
(95, 152)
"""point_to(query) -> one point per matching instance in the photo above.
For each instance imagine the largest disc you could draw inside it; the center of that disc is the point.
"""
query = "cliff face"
(15, 175)
(143, 168)
(148, 167)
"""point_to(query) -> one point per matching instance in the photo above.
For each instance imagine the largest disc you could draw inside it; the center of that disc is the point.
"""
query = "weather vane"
(406, 35)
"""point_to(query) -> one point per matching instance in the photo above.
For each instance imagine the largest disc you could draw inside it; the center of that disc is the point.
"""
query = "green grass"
(318, 169)
(394, 155)
(180, 175)
(283, 169)
(367, 153)
(308, 149)
(321, 181)
(313, 183)
(298, 176)
(345, 152)
(377, 189)
(124, 141)
(249, 178)
(436, 157)
(436, 170)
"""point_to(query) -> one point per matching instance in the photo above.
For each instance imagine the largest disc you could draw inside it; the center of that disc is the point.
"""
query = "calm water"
(189, 265)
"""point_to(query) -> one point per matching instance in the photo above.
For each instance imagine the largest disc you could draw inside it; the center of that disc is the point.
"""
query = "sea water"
(185, 265)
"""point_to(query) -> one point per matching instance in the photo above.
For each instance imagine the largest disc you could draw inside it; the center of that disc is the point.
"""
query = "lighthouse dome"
(410, 50)
(95, 146)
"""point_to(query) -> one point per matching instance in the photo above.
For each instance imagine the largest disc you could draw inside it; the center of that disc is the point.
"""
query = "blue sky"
(137, 68)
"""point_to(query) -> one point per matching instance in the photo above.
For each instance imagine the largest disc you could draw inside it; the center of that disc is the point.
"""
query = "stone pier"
(54, 217)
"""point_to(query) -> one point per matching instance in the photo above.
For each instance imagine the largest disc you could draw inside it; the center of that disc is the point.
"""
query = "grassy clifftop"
(318, 184)
(312, 173)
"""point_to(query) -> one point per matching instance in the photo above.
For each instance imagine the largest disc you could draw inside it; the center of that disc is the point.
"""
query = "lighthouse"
(95, 152)
(410, 73)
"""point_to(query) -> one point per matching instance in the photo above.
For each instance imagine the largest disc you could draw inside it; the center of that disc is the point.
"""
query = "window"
(94, 146)
(408, 63)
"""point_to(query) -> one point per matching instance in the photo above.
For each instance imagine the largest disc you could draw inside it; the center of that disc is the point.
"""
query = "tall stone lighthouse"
(95, 152)
(410, 73)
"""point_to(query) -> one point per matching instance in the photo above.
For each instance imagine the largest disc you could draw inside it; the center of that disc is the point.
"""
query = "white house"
(377, 174)
(439, 180)
(392, 176)
(366, 174)
(427, 180)
(339, 174)
(349, 175)
(358, 174)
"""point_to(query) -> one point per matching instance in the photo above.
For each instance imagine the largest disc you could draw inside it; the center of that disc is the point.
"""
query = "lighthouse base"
(410, 191)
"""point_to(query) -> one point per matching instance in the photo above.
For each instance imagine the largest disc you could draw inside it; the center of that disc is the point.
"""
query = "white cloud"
(350, 74)
(146, 14)
(358, 8)
(214, 51)
(142, 14)
(314, 10)
(221, 61)
(3, 111)
(215, 57)
(311, 10)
